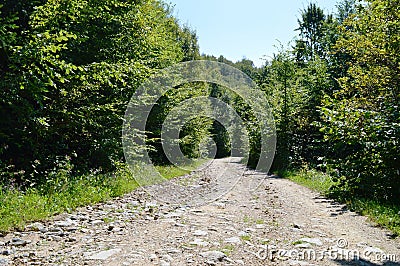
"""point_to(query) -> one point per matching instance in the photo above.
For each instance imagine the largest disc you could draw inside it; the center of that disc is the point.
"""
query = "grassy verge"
(171, 171)
(312, 179)
(65, 194)
(383, 214)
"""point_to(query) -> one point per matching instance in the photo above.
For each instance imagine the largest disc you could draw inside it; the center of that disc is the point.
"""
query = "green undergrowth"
(312, 179)
(383, 214)
(64, 194)
(170, 171)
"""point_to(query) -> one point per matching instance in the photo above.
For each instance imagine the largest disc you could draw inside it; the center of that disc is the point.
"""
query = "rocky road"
(261, 220)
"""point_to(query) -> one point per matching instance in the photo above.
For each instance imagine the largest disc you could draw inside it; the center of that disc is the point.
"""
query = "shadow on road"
(365, 263)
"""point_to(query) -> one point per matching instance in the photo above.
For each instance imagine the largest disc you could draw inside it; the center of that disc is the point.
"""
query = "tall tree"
(311, 27)
(337, 59)
(188, 40)
(281, 79)
(345, 9)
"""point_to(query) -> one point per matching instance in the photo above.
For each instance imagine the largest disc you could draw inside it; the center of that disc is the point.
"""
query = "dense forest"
(69, 68)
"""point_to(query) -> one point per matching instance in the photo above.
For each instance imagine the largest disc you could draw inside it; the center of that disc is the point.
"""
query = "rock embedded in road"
(199, 242)
(19, 242)
(233, 240)
(314, 241)
(66, 223)
(213, 255)
(164, 263)
(200, 233)
(103, 255)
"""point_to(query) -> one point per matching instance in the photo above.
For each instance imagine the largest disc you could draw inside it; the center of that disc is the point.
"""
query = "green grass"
(246, 219)
(312, 179)
(64, 194)
(259, 221)
(246, 238)
(228, 249)
(383, 214)
(171, 171)
(298, 242)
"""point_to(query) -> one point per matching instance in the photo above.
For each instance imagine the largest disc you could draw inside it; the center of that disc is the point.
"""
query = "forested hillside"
(69, 68)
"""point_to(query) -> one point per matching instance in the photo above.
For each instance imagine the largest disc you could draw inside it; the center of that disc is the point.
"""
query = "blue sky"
(238, 29)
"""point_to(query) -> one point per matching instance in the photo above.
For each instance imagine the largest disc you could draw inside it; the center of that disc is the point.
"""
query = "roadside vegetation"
(65, 194)
(382, 213)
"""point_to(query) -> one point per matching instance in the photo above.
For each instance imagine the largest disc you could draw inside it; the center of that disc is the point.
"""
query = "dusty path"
(279, 223)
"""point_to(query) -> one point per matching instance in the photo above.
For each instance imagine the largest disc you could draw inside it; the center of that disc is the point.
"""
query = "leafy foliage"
(70, 75)
(336, 97)
(362, 118)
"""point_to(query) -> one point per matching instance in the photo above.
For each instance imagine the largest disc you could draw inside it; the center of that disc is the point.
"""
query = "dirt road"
(278, 223)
